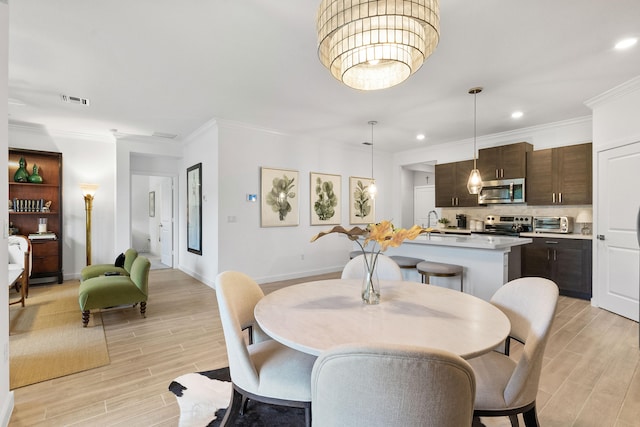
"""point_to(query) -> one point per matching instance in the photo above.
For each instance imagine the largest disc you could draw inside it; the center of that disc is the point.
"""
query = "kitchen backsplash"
(480, 213)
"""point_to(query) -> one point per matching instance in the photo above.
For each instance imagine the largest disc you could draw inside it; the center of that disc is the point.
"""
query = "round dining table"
(314, 316)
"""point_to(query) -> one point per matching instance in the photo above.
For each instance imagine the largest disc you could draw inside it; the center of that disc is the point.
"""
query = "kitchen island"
(488, 261)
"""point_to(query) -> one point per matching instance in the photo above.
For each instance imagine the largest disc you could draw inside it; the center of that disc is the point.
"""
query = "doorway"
(152, 232)
(617, 245)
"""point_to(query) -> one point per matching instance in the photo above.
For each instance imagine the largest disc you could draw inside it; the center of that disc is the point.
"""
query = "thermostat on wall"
(252, 197)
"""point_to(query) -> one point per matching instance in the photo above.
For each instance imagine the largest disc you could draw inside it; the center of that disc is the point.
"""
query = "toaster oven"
(553, 224)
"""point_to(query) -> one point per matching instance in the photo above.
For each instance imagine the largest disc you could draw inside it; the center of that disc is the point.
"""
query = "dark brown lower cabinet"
(568, 262)
(46, 259)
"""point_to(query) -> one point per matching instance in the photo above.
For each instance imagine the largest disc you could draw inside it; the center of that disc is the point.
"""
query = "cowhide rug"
(203, 398)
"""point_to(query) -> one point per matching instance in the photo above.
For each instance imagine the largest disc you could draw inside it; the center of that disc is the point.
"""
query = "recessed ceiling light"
(517, 114)
(626, 43)
(420, 137)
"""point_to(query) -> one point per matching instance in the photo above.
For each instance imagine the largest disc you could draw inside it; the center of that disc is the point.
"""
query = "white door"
(617, 245)
(166, 222)
(424, 200)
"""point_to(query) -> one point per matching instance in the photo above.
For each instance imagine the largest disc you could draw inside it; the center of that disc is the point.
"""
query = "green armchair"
(96, 270)
(112, 291)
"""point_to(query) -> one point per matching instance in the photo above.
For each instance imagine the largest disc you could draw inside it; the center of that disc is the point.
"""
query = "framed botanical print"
(279, 197)
(194, 209)
(325, 194)
(361, 205)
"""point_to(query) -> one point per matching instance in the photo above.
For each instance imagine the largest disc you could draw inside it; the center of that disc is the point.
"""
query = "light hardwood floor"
(591, 375)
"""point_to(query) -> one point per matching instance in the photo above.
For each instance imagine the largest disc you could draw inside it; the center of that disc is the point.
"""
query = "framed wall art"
(152, 204)
(279, 189)
(194, 209)
(361, 206)
(325, 194)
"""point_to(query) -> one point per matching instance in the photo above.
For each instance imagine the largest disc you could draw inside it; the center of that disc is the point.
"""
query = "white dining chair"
(505, 386)
(261, 369)
(370, 385)
(387, 269)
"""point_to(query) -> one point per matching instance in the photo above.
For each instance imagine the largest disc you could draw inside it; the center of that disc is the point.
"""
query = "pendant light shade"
(474, 184)
(376, 44)
(373, 190)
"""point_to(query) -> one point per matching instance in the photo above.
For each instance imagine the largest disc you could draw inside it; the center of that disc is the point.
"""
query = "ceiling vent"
(74, 100)
(164, 135)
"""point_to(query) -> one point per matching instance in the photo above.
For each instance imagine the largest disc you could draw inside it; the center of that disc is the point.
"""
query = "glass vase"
(370, 283)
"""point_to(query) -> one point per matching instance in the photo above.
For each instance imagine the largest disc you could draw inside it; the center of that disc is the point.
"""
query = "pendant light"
(474, 185)
(373, 190)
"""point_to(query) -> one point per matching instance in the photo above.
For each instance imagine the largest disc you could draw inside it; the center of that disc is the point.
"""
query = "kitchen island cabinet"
(560, 176)
(488, 261)
(451, 185)
(504, 162)
(566, 261)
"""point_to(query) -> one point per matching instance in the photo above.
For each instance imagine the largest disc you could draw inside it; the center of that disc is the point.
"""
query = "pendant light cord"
(475, 91)
(372, 123)
(475, 121)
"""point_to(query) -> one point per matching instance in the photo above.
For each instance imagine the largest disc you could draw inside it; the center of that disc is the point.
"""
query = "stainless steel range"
(507, 225)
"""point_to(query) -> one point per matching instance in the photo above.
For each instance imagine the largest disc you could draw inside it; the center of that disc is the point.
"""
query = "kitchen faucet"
(429, 218)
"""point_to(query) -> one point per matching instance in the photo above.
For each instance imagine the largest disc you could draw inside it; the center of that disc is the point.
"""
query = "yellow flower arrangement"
(382, 234)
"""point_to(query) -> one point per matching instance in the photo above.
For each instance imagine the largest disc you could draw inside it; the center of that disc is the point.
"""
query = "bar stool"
(439, 269)
(406, 263)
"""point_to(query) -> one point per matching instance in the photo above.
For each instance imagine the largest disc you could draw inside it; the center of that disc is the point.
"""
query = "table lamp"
(585, 218)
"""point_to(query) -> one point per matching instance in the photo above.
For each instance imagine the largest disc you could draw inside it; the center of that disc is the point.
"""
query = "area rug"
(203, 399)
(46, 337)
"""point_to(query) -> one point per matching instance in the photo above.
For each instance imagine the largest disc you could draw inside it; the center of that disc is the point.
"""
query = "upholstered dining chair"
(261, 369)
(508, 387)
(387, 269)
(368, 385)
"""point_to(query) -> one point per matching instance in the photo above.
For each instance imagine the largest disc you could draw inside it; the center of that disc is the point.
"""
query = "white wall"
(615, 124)
(201, 147)
(276, 253)
(140, 220)
(6, 397)
(615, 116)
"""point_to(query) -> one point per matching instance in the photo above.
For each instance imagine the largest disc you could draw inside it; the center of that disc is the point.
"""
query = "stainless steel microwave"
(502, 191)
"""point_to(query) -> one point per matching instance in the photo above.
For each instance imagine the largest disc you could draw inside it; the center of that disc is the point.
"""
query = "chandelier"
(376, 44)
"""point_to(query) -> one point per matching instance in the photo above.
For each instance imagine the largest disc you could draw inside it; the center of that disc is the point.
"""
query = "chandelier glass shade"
(376, 44)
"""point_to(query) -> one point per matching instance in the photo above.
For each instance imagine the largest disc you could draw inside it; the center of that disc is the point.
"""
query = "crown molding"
(40, 129)
(614, 93)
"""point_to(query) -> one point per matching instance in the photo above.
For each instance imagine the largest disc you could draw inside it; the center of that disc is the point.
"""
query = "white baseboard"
(7, 410)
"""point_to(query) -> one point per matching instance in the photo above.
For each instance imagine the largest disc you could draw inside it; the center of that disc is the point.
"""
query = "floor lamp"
(88, 191)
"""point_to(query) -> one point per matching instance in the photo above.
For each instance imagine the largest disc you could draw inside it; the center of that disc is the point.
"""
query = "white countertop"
(474, 241)
(559, 235)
